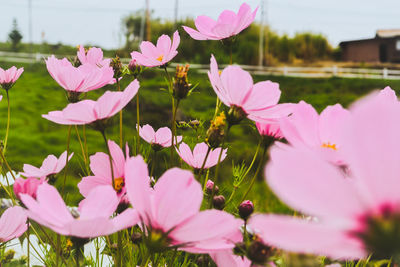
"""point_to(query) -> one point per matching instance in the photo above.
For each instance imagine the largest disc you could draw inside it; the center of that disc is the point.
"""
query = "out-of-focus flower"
(171, 211)
(228, 24)
(27, 186)
(88, 111)
(154, 56)
(12, 223)
(51, 165)
(100, 166)
(159, 139)
(235, 88)
(226, 258)
(9, 77)
(92, 56)
(318, 132)
(271, 129)
(196, 158)
(84, 78)
(94, 212)
(358, 213)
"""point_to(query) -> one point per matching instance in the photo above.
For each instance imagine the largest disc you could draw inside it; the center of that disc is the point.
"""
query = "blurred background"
(323, 52)
(285, 31)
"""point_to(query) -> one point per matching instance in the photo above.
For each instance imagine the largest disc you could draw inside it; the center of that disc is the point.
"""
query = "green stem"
(205, 182)
(85, 141)
(29, 243)
(81, 144)
(218, 163)
(8, 122)
(12, 174)
(109, 157)
(231, 196)
(254, 158)
(121, 141)
(119, 250)
(66, 163)
(173, 129)
(137, 124)
(58, 249)
(260, 164)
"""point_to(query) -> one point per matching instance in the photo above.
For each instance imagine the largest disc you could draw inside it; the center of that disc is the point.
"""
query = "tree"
(15, 36)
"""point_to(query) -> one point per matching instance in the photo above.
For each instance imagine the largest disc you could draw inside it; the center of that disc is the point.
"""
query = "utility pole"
(30, 26)
(176, 13)
(148, 33)
(261, 37)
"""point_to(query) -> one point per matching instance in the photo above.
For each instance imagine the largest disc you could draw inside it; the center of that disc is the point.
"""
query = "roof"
(388, 33)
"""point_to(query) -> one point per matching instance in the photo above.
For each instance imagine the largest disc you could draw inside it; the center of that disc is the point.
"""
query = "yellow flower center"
(329, 145)
(69, 244)
(119, 184)
(160, 58)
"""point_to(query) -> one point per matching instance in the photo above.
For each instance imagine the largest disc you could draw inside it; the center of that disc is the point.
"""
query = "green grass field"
(32, 137)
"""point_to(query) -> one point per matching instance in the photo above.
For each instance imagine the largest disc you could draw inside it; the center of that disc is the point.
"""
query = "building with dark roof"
(385, 47)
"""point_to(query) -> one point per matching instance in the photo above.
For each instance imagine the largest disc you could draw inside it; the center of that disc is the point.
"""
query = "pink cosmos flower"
(161, 138)
(357, 214)
(319, 132)
(51, 165)
(228, 24)
(171, 210)
(196, 158)
(88, 111)
(9, 77)
(154, 56)
(93, 56)
(12, 223)
(85, 78)
(226, 258)
(100, 166)
(27, 186)
(94, 213)
(235, 88)
(271, 129)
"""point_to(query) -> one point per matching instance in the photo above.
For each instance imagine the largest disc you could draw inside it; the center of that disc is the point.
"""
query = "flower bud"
(136, 238)
(258, 252)
(240, 249)
(209, 187)
(235, 115)
(203, 260)
(181, 85)
(216, 132)
(134, 68)
(116, 64)
(219, 202)
(246, 208)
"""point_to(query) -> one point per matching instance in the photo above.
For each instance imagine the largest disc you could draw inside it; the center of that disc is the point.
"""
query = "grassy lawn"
(32, 137)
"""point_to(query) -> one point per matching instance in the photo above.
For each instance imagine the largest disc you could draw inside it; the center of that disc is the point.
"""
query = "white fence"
(304, 72)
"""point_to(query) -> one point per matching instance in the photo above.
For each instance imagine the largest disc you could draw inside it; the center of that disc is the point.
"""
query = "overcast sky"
(99, 21)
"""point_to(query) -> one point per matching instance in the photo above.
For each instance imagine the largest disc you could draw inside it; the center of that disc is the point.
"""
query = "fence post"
(334, 71)
(285, 71)
(385, 73)
(37, 57)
